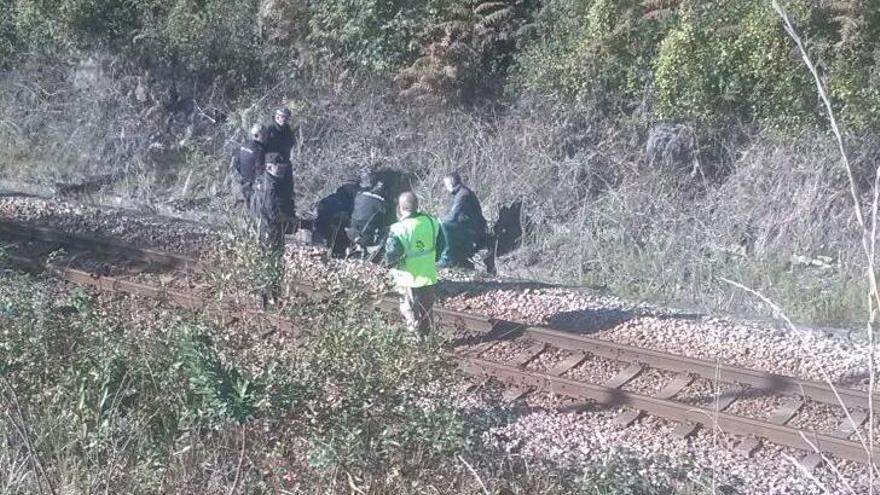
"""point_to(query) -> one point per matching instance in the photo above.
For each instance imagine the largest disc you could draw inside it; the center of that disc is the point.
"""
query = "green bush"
(217, 37)
(707, 60)
(377, 35)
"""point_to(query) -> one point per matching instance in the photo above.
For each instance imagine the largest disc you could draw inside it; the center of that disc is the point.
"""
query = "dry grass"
(661, 222)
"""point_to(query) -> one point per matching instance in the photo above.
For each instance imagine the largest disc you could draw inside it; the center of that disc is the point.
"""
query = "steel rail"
(118, 285)
(668, 409)
(509, 330)
(94, 243)
(761, 380)
(609, 396)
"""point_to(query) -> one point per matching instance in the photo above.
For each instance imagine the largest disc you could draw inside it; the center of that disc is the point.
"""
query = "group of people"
(355, 220)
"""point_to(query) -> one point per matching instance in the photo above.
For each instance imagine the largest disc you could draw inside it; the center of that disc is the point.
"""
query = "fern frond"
(495, 18)
(489, 6)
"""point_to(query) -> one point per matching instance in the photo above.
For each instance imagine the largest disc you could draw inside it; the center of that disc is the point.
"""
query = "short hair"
(454, 176)
(257, 129)
(284, 111)
(408, 202)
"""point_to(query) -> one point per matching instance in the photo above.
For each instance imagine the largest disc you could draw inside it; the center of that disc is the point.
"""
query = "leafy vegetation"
(645, 138)
(123, 395)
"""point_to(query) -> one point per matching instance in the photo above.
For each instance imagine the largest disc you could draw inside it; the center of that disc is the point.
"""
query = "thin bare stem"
(13, 403)
(779, 313)
(241, 457)
(475, 475)
(807, 473)
(868, 237)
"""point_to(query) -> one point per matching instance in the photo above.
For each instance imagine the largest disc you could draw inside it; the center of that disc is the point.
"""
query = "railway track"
(531, 358)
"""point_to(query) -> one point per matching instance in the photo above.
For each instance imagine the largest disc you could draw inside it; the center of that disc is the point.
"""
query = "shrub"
(467, 54)
(705, 60)
(376, 35)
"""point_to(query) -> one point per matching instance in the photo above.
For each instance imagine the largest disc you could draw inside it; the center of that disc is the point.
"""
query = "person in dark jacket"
(334, 213)
(463, 224)
(277, 207)
(251, 162)
(277, 212)
(369, 224)
(279, 135)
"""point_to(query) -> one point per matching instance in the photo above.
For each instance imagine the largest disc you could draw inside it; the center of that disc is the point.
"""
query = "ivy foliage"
(708, 60)
(700, 60)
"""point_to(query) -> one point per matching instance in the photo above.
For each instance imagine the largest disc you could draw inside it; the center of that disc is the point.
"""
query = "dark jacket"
(279, 139)
(464, 210)
(277, 202)
(334, 212)
(368, 219)
(394, 250)
(251, 162)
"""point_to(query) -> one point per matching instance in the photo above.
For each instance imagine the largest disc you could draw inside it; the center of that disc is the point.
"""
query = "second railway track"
(511, 352)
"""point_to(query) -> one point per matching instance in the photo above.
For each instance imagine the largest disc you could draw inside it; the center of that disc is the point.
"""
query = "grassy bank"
(658, 147)
(126, 396)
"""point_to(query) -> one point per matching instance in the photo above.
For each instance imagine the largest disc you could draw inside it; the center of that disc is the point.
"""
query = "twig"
(25, 435)
(827, 462)
(474, 473)
(868, 245)
(241, 455)
(825, 376)
(800, 467)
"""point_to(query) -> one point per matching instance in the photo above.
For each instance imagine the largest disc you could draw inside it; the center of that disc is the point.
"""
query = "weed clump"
(122, 394)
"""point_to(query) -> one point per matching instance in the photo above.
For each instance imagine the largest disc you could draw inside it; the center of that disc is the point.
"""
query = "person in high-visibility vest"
(411, 250)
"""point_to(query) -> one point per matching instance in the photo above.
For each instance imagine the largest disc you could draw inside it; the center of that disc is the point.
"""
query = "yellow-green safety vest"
(418, 236)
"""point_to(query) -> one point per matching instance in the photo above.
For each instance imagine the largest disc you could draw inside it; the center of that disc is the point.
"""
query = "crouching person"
(276, 214)
(368, 221)
(411, 251)
(464, 227)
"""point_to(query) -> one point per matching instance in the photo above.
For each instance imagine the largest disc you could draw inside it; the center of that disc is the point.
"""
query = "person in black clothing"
(464, 225)
(334, 213)
(277, 212)
(369, 219)
(250, 163)
(279, 135)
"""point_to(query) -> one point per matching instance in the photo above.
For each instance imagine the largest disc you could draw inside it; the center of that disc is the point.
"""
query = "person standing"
(251, 163)
(279, 135)
(277, 212)
(411, 252)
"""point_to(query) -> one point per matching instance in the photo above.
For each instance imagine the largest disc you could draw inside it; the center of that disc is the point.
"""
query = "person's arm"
(452, 215)
(260, 162)
(290, 207)
(394, 252)
(440, 248)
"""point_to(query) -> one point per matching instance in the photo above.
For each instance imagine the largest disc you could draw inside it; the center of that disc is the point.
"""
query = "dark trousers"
(272, 245)
(463, 243)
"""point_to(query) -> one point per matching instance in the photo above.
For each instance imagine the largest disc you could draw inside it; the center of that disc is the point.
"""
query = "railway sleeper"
(675, 411)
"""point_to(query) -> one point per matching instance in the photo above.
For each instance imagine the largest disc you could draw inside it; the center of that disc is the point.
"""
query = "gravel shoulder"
(804, 354)
(539, 427)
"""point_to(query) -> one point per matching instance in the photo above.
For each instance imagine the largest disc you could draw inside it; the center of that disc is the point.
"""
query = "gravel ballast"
(570, 438)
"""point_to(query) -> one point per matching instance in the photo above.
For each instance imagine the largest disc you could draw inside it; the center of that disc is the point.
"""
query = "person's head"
(282, 116)
(258, 132)
(275, 164)
(452, 181)
(351, 185)
(407, 205)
